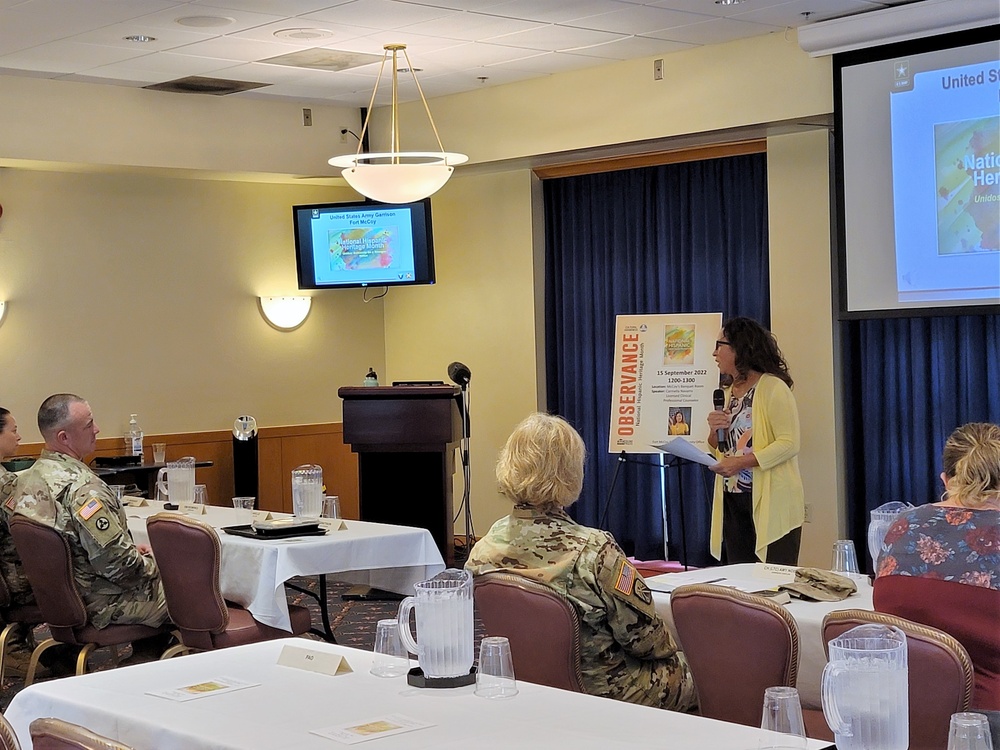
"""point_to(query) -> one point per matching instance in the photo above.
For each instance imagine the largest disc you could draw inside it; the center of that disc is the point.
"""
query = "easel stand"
(672, 462)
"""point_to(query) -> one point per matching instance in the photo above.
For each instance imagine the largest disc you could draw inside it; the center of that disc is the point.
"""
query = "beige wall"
(140, 293)
(750, 81)
(90, 124)
(481, 312)
(802, 319)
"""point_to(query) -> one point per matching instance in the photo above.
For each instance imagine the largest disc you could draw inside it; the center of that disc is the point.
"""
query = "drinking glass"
(969, 731)
(495, 677)
(782, 714)
(159, 453)
(391, 659)
(244, 510)
(331, 507)
(200, 494)
(845, 559)
(119, 490)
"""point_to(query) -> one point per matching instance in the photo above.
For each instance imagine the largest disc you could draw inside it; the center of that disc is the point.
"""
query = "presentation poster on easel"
(663, 380)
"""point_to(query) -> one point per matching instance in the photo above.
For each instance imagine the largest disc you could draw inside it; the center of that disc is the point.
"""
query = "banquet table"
(285, 704)
(808, 615)
(253, 572)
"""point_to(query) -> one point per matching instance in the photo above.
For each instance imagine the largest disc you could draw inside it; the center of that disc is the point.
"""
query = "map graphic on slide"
(361, 248)
(968, 185)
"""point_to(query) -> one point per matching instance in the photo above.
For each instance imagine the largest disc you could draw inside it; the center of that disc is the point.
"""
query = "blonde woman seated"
(940, 562)
(627, 651)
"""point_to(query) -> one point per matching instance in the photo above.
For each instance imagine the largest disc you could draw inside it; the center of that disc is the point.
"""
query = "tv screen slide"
(363, 244)
(920, 165)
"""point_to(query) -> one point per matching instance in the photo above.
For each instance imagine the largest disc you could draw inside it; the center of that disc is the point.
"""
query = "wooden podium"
(405, 438)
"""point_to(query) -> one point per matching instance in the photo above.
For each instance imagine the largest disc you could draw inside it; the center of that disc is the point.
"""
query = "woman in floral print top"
(940, 563)
(957, 539)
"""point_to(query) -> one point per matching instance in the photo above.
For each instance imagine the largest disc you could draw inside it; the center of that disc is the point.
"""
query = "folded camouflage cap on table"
(819, 585)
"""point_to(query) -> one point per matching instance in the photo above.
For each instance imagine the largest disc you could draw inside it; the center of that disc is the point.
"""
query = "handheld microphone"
(721, 434)
(459, 374)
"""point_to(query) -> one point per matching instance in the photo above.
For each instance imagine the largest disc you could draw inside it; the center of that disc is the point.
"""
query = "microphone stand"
(467, 468)
(673, 462)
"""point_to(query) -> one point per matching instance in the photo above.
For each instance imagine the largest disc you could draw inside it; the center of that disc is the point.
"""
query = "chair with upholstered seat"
(12, 616)
(47, 562)
(969, 613)
(189, 555)
(56, 734)
(940, 672)
(8, 740)
(737, 646)
(542, 626)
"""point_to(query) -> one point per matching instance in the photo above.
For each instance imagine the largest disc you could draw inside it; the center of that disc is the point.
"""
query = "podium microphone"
(721, 434)
(459, 374)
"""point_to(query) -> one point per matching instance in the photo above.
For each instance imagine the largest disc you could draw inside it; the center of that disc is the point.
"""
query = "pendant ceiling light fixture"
(398, 176)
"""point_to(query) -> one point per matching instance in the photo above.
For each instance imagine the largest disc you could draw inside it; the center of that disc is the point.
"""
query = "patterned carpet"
(353, 624)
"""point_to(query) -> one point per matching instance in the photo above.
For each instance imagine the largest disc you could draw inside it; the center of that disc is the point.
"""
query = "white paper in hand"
(683, 449)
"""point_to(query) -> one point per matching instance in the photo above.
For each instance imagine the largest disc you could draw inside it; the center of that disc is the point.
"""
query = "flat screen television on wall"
(361, 244)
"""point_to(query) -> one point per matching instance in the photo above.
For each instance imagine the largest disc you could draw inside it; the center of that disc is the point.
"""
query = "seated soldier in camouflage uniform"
(20, 642)
(118, 580)
(627, 652)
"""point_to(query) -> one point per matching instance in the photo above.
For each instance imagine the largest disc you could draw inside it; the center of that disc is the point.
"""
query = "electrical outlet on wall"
(657, 70)
(307, 117)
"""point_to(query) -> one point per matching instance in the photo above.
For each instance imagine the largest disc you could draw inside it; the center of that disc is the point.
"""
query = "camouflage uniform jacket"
(118, 584)
(10, 564)
(627, 652)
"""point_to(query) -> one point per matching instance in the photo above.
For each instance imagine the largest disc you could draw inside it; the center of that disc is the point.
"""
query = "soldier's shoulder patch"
(96, 521)
(89, 508)
(625, 580)
(641, 590)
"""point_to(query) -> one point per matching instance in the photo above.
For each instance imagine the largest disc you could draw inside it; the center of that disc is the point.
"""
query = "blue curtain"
(680, 238)
(908, 383)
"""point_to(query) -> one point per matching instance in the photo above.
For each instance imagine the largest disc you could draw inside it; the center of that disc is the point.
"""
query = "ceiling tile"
(556, 38)
(66, 57)
(637, 19)
(385, 14)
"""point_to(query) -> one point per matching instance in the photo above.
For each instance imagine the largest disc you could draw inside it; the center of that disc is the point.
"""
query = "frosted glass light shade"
(3, 310)
(398, 181)
(285, 313)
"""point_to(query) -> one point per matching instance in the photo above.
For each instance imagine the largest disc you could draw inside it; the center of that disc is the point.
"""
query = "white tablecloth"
(808, 617)
(254, 572)
(279, 713)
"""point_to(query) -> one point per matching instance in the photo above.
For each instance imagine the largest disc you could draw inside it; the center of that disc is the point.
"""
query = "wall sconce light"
(285, 313)
(3, 310)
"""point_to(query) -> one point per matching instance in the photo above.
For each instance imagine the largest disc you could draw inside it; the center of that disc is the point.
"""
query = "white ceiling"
(455, 45)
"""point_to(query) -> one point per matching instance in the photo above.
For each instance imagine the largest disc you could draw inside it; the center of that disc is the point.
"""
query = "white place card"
(322, 662)
(783, 573)
(261, 515)
(384, 726)
(216, 686)
(192, 509)
(333, 524)
(131, 501)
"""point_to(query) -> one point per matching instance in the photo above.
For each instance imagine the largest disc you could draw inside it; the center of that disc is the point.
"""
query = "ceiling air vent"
(204, 85)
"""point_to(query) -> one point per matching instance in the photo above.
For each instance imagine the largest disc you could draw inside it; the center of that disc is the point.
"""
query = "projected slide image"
(946, 185)
(370, 247)
(968, 185)
(356, 249)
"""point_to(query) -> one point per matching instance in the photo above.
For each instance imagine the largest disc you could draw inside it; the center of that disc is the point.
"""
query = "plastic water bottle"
(371, 379)
(134, 436)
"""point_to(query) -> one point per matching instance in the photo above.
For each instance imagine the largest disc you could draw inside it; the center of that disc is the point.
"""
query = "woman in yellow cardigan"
(759, 506)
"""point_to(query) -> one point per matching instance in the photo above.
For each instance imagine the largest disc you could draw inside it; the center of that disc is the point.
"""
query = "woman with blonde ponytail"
(940, 562)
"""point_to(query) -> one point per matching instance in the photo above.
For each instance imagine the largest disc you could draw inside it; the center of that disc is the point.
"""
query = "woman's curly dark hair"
(755, 348)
